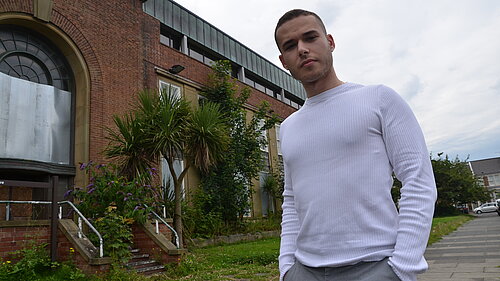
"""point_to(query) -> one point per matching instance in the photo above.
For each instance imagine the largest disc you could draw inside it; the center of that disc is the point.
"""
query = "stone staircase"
(144, 264)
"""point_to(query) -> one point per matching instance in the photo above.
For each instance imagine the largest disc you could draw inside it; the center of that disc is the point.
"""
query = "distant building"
(488, 170)
(66, 67)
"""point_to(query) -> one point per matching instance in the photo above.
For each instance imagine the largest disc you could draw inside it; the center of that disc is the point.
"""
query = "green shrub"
(108, 188)
(272, 222)
(198, 222)
(33, 263)
(112, 202)
(116, 233)
(31, 260)
(445, 211)
(202, 222)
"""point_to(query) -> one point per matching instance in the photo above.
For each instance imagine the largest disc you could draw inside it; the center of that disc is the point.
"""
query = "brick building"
(488, 171)
(66, 67)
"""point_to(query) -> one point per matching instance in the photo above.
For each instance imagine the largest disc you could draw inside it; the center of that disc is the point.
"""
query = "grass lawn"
(445, 225)
(257, 260)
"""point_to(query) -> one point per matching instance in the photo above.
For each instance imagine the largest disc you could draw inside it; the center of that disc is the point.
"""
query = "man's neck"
(320, 86)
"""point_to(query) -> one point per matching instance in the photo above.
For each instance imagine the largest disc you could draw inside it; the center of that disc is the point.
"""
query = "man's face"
(306, 51)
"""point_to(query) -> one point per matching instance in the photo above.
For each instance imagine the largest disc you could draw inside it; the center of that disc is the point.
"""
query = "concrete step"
(150, 269)
(140, 263)
(140, 256)
(143, 264)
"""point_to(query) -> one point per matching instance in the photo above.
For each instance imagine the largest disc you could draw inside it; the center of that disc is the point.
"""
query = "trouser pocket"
(289, 274)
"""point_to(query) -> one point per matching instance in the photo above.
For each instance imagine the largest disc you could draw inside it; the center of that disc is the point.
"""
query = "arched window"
(36, 100)
(27, 55)
(36, 118)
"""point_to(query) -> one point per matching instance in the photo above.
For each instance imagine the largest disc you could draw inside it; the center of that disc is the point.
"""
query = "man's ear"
(331, 42)
(283, 62)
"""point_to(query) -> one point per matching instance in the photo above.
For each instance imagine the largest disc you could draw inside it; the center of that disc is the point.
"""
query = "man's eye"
(289, 46)
(311, 38)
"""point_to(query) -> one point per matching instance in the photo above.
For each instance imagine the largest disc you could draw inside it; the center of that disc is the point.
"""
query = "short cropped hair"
(292, 14)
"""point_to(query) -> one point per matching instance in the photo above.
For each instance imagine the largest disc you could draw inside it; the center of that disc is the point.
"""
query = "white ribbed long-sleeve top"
(339, 151)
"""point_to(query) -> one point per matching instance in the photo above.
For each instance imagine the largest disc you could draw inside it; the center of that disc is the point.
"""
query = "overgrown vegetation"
(198, 224)
(113, 202)
(108, 187)
(227, 185)
(33, 263)
(165, 125)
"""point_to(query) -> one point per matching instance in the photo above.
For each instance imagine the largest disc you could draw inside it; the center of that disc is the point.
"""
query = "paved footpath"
(471, 253)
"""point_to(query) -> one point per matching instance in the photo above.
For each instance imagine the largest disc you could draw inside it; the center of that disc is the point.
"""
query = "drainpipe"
(54, 220)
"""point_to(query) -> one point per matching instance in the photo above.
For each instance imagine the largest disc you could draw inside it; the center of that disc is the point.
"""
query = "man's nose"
(303, 49)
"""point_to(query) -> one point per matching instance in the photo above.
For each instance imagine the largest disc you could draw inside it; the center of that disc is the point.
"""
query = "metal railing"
(165, 223)
(80, 217)
(80, 230)
(8, 202)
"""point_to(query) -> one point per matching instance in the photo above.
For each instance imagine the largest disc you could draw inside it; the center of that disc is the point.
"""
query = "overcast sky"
(443, 57)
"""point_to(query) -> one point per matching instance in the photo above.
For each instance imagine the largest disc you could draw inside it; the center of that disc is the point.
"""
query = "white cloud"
(441, 56)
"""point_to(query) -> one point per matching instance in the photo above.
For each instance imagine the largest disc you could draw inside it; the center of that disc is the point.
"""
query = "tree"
(456, 184)
(165, 126)
(396, 190)
(228, 184)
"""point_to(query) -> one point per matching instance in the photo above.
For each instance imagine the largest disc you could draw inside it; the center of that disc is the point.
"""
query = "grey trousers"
(363, 271)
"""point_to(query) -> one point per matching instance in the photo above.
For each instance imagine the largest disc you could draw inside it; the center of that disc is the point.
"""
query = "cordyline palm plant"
(128, 145)
(164, 125)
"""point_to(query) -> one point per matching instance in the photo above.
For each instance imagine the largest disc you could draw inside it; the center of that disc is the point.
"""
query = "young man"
(340, 151)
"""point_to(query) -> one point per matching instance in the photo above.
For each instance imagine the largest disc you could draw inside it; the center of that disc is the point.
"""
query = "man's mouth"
(307, 62)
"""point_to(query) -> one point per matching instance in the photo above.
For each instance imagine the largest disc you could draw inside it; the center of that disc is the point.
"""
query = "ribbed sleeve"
(340, 150)
(412, 166)
(290, 228)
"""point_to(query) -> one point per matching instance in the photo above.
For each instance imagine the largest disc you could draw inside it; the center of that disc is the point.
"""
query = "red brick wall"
(126, 44)
(66, 252)
(121, 45)
(17, 238)
(113, 30)
(13, 238)
(142, 242)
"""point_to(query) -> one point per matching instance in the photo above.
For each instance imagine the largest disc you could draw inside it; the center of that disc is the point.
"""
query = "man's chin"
(310, 79)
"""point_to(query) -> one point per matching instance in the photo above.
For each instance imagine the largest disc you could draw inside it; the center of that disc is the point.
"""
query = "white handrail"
(80, 217)
(165, 223)
(101, 247)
